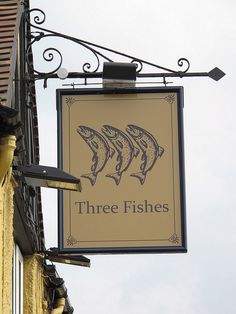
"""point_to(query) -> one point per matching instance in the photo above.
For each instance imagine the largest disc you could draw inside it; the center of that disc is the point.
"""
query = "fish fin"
(144, 143)
(116, 176)
(95, 144)
(91, 176)
(136, 151)
(142, 166)
(160, 151)
(111, 152)
(117, 167)
(119, 143)
(93, 167)
(140, 175)
(119, 159)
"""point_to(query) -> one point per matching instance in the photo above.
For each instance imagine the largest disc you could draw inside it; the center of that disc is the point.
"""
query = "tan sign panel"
(126, 146)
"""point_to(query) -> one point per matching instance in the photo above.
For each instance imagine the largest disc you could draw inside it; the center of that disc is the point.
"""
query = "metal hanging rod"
(100, 83)
(88, 70)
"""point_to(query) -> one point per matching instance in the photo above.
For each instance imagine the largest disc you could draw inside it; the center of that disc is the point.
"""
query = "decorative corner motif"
(70, 101)
(174, 238)
(71, 240)
(170, 99)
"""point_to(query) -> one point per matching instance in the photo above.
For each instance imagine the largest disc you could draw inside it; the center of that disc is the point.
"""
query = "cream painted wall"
(6, 245)
(33, 294)
(34, 301)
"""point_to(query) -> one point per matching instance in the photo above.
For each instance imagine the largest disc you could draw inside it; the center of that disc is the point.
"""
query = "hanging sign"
(126, 145)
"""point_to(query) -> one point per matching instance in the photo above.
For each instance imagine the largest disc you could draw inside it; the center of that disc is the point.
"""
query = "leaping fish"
(100, 148)
(150, 148)
(125, 148)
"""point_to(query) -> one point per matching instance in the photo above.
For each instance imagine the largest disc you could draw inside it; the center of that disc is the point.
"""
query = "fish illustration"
(150, 148)
(124, 147)
(100, 148)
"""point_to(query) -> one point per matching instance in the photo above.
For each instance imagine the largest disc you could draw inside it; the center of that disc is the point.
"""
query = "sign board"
(126, 145)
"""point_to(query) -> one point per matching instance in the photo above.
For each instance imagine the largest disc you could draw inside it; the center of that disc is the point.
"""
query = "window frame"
(17, 281)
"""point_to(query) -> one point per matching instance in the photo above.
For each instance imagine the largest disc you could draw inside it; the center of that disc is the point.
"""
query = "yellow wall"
(33, 295)
(34, 301)
(6, 245)
(7, 147)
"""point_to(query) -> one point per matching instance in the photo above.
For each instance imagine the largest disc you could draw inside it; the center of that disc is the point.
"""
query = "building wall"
(6, 244)
(21, 223)
(34, 301)
(11, 11)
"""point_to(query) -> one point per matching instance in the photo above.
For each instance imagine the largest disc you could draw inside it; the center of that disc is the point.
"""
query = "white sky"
(203, 280)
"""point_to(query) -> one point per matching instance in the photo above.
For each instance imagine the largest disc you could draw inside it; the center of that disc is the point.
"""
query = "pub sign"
(126, 146)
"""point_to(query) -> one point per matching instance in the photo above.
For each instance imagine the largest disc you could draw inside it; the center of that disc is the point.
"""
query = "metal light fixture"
(78, 260)
(51, 177)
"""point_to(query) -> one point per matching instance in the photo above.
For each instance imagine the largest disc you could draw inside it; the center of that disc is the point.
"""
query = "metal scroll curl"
(36, 17)
(139, 65)
(184, 62)
(49, 53)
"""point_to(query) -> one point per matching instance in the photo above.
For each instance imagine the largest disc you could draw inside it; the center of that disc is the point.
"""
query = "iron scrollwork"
(99, 53)
(39, 33)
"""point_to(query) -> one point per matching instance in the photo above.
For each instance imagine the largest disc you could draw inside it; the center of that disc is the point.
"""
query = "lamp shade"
(51, 177)
(54, 256)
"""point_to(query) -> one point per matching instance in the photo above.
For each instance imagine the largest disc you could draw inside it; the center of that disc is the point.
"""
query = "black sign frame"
(126, 250)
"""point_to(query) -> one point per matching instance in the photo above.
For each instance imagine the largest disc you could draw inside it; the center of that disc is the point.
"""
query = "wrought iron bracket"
(36, 17)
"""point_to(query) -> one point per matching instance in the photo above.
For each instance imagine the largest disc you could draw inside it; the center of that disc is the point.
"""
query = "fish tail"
(91, 176)
(116, 176)
(136, 151)
(140, 175)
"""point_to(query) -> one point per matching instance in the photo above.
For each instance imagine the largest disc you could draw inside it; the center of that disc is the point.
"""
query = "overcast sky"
(203, 280)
